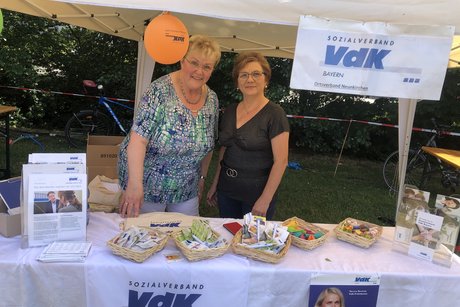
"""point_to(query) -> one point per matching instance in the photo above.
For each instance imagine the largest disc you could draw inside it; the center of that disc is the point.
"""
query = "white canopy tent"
(269, 26)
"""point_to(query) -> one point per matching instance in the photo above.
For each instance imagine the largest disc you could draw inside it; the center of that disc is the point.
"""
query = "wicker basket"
(257, 254)
(354, 238)
(201, 254)
(307, 244)
(136, 255)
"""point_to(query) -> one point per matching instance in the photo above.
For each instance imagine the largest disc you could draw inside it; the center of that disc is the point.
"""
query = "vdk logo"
(364, 57)
(175, 224)
(147, 299)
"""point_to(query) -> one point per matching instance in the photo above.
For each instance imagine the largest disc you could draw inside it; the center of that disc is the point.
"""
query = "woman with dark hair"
(254, 135)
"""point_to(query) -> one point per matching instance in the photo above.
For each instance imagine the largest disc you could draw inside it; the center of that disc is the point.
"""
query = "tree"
(44, 54)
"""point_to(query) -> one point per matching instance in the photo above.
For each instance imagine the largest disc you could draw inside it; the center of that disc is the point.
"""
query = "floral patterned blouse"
(177, 142)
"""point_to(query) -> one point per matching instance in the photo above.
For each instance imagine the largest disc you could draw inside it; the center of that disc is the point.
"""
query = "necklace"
(185, 96)
(248, 112)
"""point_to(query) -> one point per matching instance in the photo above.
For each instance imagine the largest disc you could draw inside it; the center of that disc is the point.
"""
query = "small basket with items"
(305, 235)
(261, 240)
(200, 241)
(138, 243)
(358, 232)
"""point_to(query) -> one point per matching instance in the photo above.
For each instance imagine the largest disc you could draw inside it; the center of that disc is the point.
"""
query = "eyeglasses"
(197, 65)
(255, 75)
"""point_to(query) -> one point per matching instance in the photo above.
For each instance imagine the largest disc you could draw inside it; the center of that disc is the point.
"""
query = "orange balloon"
(166, 39)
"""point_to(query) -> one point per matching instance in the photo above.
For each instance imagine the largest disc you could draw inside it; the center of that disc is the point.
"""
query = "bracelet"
(202, 177)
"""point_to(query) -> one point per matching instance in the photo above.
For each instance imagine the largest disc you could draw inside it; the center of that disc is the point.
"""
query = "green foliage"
(43, 54)
(446, 111)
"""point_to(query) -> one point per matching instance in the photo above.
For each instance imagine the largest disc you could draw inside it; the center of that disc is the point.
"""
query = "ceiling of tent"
(269, 26)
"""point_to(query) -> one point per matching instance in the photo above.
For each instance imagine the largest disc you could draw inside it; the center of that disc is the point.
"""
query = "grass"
(20, 150)
(316, 195)
(312, 193)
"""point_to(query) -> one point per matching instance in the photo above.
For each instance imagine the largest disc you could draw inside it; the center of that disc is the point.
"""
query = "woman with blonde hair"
(330, 297)
(164, 160)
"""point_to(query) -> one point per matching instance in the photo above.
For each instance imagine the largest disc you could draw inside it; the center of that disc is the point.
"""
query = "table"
(5, 115)
(107, 280)
(449, 156)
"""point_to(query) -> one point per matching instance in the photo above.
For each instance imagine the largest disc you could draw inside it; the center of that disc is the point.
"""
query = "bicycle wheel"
(414, 171)
(83, 123)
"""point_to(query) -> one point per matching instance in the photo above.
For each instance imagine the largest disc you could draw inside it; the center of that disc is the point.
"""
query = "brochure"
(344, 290)
(69, 222)
(65, 252)
(425, 237)
(413, 202)
(449, 208)
(53, 158)
(30, 169)
(427, 232)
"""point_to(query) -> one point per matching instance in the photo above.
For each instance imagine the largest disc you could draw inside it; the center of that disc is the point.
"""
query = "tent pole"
(405, 123)
(145, 67)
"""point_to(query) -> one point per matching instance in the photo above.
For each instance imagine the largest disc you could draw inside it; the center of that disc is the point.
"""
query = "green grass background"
(313, 193)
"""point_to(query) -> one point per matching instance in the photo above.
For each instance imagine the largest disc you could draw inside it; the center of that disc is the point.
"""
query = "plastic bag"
(104, 191)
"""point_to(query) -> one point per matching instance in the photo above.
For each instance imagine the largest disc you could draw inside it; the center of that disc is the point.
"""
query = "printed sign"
(372, 58)
(344, 290)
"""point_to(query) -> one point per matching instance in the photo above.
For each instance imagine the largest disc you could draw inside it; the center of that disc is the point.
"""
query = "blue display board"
(10, 190)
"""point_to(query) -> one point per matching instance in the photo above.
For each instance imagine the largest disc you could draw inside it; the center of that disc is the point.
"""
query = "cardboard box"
(103, 150)
(102, 156)
(10, 225)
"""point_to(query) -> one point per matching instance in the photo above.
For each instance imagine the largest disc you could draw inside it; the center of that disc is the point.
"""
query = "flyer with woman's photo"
(344, 290)
(449, 208)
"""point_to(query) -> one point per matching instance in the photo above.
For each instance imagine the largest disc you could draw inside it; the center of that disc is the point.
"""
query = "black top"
(249, 147)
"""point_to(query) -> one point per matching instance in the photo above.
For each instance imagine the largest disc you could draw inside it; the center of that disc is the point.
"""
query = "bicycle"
(419, 166)
(23, 136)
(20, 146)
(94, 121)
(27, 136)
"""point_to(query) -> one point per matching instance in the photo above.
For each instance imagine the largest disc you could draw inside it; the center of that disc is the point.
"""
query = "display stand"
(43, 220)
(428, 233)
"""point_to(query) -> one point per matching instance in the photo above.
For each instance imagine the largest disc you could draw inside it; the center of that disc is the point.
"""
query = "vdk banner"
(371, 58)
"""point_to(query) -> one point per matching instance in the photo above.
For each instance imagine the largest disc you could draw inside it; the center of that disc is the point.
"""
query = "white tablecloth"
(231, 280)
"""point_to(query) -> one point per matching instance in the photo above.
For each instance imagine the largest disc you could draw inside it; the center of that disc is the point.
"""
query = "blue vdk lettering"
(364, 57)
(141, 301)
(183, 301)
(168, 300)
(162, 300)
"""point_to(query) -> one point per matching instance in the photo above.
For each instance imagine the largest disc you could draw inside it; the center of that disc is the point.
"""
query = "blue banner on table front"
(371, 58)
